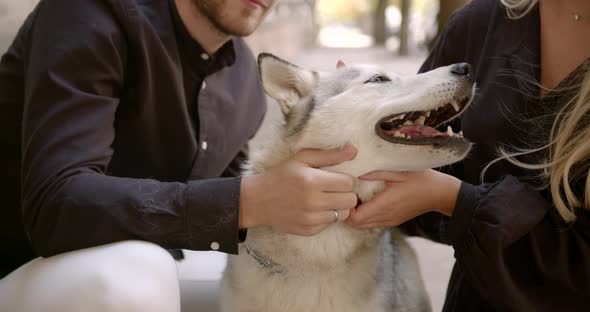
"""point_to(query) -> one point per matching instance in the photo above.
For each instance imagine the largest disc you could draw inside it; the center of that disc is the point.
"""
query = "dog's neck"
(277, 150)
(264, 261)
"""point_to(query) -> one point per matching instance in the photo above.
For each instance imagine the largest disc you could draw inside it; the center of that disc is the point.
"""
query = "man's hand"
(296, 197)
(407, 195)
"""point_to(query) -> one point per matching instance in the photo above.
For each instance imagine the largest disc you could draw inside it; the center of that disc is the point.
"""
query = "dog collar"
(265, 262)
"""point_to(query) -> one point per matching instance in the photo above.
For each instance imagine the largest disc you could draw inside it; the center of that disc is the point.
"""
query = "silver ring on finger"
(335, 215)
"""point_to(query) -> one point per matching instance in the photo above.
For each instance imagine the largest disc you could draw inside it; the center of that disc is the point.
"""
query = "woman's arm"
(509, 242)
(516, 249)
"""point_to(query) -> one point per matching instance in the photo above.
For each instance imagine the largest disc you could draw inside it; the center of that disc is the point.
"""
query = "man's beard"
(213, 11)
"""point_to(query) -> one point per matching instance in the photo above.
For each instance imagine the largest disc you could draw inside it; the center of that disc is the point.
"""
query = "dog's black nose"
(461, 69)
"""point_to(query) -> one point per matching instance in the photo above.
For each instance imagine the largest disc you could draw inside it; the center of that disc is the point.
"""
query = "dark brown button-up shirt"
(123, 130)
(513, 251)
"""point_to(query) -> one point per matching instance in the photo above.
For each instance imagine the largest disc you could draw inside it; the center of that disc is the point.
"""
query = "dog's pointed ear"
(285, 82)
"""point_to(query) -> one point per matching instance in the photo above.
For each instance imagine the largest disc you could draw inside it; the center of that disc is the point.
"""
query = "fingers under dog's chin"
(354, 219)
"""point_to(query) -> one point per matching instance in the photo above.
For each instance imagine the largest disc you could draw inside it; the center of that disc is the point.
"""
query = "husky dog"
(391, 121)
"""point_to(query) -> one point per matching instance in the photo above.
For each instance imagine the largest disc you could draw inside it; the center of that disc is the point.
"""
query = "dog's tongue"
(417, 132)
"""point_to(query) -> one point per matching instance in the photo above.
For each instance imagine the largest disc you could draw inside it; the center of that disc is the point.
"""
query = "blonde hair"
(568, 149)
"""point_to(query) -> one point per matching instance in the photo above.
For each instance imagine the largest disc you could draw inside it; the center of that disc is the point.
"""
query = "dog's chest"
(335, 246)
(319, 292)
(321, 273)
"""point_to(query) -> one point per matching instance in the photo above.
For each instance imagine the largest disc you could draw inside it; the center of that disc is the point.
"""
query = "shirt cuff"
(212, 214)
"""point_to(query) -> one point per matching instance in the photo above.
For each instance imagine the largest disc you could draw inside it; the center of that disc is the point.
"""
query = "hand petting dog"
(296, 197)
(406, 196)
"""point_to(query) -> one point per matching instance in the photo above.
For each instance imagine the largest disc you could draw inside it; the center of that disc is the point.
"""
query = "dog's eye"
(377, 79)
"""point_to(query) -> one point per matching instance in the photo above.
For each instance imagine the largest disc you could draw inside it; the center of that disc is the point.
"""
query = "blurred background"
(396, 34)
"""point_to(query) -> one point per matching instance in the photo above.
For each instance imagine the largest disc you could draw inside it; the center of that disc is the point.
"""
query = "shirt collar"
(194, 55)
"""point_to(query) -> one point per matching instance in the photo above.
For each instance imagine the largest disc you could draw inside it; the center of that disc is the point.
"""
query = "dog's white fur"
(341, 269)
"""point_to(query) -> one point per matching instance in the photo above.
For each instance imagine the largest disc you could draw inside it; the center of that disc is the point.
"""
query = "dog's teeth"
(420, 121)
(461, 133)
(401, 116)
(449, 131)
(428, 114)
(455, 105)
(408, 123)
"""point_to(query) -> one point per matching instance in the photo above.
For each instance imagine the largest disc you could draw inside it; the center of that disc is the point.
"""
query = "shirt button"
(215, 246)
(204, 145)
(204, 56)
(204, 85)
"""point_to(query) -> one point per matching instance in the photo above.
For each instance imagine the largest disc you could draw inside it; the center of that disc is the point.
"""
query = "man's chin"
(243, 33)
(241, 26)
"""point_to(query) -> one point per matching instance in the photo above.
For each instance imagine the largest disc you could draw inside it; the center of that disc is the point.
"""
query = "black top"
(99, 106)
(513, 251)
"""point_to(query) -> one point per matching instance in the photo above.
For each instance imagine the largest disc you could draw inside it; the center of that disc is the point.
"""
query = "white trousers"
(121, 277)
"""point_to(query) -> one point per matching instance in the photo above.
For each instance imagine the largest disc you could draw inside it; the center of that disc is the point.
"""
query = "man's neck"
(200, 27)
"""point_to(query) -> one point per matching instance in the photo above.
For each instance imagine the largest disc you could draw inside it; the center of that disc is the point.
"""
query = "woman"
(521, 240)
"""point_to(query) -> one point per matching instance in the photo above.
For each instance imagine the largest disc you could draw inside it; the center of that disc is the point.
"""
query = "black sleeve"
(235, 169)
(517, 251)
(74, 74)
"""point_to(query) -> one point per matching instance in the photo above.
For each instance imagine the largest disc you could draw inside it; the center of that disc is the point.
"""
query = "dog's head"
(390, 119)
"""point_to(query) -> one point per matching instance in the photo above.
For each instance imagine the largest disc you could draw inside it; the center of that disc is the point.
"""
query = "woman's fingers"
(369, 211)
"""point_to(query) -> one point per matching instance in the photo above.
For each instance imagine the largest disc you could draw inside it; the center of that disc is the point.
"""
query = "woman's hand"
(406, 196)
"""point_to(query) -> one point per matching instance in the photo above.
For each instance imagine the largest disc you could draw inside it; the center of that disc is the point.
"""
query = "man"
(130, 120)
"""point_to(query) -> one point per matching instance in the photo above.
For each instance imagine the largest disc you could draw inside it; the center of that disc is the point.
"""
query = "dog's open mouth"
(418, 128)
